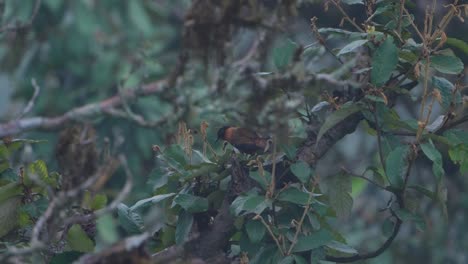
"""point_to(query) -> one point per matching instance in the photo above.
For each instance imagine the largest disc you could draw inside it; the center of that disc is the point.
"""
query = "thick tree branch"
(310, 152)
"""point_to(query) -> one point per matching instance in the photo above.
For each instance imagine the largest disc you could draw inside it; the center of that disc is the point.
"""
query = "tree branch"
(86, 111)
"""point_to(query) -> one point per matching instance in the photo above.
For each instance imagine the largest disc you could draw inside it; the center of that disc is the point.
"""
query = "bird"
(244, 139)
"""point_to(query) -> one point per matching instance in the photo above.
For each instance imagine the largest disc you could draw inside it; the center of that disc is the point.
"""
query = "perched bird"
(244, 139)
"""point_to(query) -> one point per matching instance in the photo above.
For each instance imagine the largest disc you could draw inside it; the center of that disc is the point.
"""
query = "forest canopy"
(258, 131)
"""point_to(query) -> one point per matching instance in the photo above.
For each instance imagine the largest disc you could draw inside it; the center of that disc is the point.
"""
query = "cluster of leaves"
(189, 186)
(24, 192)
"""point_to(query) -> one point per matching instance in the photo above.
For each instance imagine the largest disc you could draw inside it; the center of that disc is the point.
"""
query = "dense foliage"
(367, 118)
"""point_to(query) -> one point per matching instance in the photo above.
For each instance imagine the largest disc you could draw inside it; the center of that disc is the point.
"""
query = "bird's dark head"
(222, 132)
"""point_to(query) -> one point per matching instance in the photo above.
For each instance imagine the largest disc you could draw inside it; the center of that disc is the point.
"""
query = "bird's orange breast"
(229, 134)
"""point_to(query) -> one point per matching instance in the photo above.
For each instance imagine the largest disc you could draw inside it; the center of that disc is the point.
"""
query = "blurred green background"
(85, 51)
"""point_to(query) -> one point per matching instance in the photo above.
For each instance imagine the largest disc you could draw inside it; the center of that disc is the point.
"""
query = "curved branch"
(380, 250)
(92, 110)
(86, 111)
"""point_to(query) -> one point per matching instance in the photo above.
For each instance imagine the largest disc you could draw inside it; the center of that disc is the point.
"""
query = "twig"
(250, 53)
(95, 109)
(272, 186)
(379, 139)
(364, 178)
(345, 15)
(320, 39)
(301, 221)
(59, 200)
(270, 232)
(421, 123)
(113, 205)
(454, 123)
(400, 18)
(32, 101)
(413, 25)
(414, 154)
(138, 119)
(86, 111)
(380, 250)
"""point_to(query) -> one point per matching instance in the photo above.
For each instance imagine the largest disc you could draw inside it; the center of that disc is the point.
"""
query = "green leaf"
(264, 180)
(175, 153)
(336, 117)
(341, 32)
(447, 64)
(456, 136)
(287, 260)
(150, 201)
(9, 215)
(139, 17)
(39, 168)
(459, 154)
(352, 46)
(65, 257)
(184, 225)
(375, 98)
(377, 174)
(408, 56)
(302, 171)
(460, 44)
(4, 153)
(316, 255)
(10, 190)
(99, 202)
(442, 200)
(299, 259)
(290, 150)
(246, 245)
(256, 204)
(4, 165)
(36, 208)
(95, 202)
(315, 240)
(446, 89)
(338, 189)
(255, 230)
(283, 55)
(250, 203)
(434, 155)
(384, 61)
(387, 227)
(158, 177)
(191, 203)
(267, 254)
(24, 220)
(424, 191)
(294, 195)
(78, 240)
(342, 248)
(407, 216)
(130, 221)
(18, 143)
(107, 229)
(353, 2)
(397, 164)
